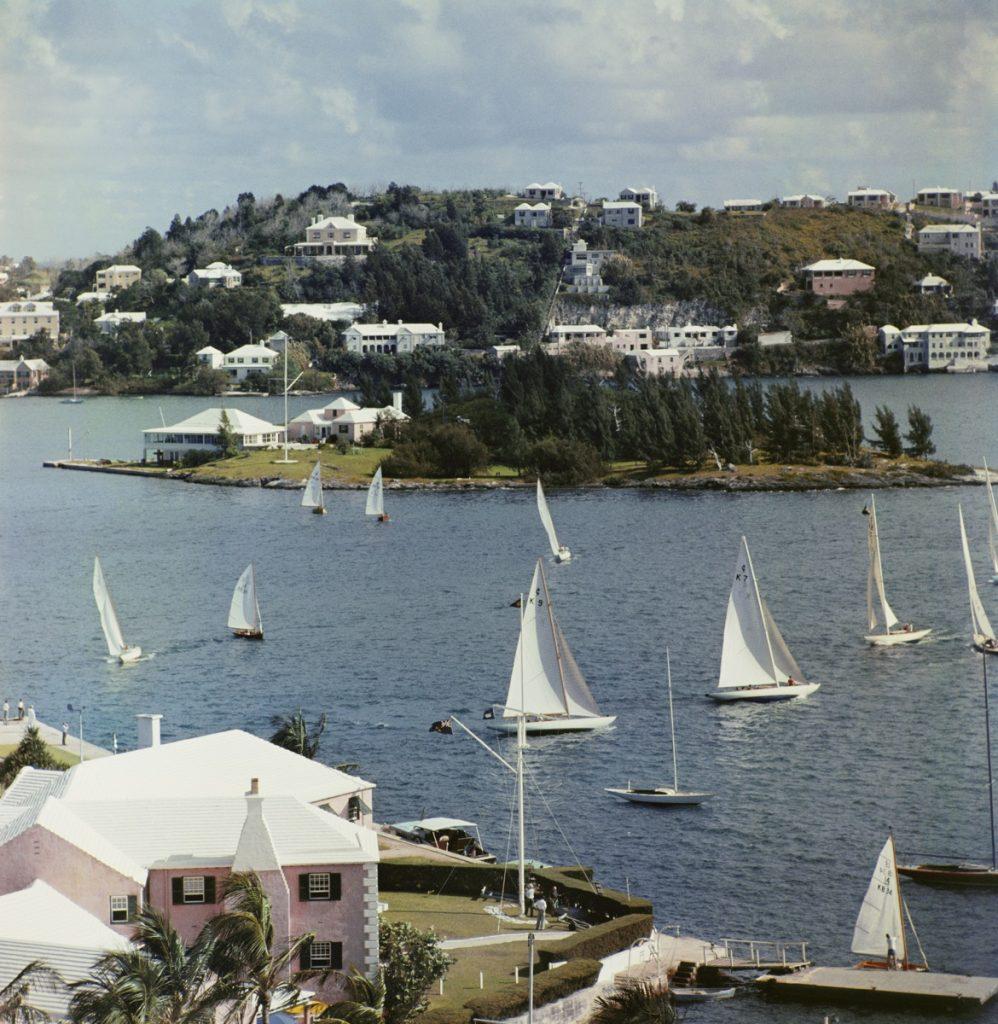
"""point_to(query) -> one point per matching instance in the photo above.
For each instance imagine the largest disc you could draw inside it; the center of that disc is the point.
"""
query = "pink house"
(837, 278)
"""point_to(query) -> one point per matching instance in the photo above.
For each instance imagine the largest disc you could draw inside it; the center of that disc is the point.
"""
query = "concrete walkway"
(13, 732)
(502, 937)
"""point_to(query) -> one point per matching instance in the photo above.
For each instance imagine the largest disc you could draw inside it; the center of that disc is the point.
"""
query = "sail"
(875, 579)
(376, 495)
(244, 612)
(979, 623)
(535, 683)
(880, 915)
(542, 507)
(580, 699)
(746, 654)
(108, 617)
(992, 522)
(786, 663)
(312, 498)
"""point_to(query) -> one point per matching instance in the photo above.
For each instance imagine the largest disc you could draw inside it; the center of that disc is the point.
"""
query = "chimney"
(254, 789)
(399, 323)
(397, 401)
(255, 850)
(148, 729)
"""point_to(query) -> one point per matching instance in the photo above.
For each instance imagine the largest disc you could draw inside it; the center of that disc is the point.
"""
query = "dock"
(895, 988)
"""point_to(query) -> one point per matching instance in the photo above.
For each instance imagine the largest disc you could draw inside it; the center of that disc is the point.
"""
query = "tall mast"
(991, 794)
(521, 742)
(897, 891)
(672, 724)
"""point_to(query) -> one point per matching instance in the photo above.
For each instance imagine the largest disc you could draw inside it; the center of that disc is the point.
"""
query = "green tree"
(31, 752)
(295, 734)
(642, 1003)
(919, 436)
(227, 444)
(412, 397)
(411, 961)
(16, 996)
(365, 1005)
(859, 353)
(563, 461)
(887, 431)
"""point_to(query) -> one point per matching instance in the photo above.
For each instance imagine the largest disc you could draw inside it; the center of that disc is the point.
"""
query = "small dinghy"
(982, 634)
(376, 498)
(700, 995)
(116, 646)
(312, 498)
(244, 612)
(560, 551)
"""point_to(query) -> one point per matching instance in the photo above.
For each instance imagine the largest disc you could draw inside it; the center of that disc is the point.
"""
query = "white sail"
(979, 623)
(244, 612)
(881, 914)
(376, 495)
(746, 655)
(579, 698)
(312, 498)
(108, 617)
(786, 663)
(875, 578)
(542, 507)
(992, 522)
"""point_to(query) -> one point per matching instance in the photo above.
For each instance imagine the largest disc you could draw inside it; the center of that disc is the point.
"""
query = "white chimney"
(255, 850)
(148, 728)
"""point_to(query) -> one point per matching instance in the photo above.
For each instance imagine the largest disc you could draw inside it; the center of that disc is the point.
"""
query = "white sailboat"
(244, 611)
(547, 689)
(992, 525)
(890, 637)
(376, 498)
(879, 930)
(116, 645)
(560, 551)
(981, 632)
(75, 400)
(756, 663)
(664, 795)
(312, 498)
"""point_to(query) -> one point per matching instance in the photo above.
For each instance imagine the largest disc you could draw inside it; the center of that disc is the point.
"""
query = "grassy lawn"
(451, 917)
(357, 466)
(498, 964)
(62, 754)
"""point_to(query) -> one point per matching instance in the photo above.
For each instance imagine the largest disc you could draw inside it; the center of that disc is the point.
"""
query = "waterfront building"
(247, 359)
(630, 339)
(548, 192)
(838, 277)
(210, 356)
(958, 239)
(701, 336)
(537, 215)
(215, 275)
(565, 334)
(643, 194)
(658, 362)
(20, 320)
(743, 206)
(116, 277)
(329, 312)
(343, 420)
(804, 202)
(394, 338)
(947, 198)
(108, 323)
(936, 346)
(200, 433)
(866, 198)
(622, 214)
(22, 374)
(933, 284)
(332, 239)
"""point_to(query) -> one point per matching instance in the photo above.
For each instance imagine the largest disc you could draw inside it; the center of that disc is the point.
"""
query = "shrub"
(601, 940)
(548, 987)
(193, 458)
(563, 462)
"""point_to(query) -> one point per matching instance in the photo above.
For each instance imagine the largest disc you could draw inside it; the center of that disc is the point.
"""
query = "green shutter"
(209, 888)
(305, 959)
(133, 907)
(337, 954)
(335, 888)
(303, 888)
(178, 890)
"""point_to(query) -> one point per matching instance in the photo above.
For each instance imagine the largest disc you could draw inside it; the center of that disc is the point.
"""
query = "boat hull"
(964, 876)
(894, 639)
(553, 726)
(700, 995)
(980, 643)
(318, 511)
(564, 555)
(129, 654)
(663, 797)
(765, 694)
(248, 634)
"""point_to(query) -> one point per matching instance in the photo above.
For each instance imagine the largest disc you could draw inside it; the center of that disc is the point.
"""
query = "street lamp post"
(79, 710)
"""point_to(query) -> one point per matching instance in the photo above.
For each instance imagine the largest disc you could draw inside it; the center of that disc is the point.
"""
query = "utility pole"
(530, 978)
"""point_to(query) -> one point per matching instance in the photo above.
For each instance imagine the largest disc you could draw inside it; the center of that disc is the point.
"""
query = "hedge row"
(548, 986)
(599, 941)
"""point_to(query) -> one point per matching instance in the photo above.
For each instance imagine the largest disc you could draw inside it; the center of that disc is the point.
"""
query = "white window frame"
(194, 889)
(321, 953)
(119, 906)
(320, 885)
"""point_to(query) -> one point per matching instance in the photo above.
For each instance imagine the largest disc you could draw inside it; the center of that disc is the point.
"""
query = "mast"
(991, 794)
(762, 614)
(554, 634)
(897, 891)
(672, 724)
(521, 742)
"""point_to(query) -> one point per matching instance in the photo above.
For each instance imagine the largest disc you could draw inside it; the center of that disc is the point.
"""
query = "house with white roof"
(215, 275)
(565, 334)
(116, 277)
(618, 213)
(330, 312)
(100, 297)
(804, 202)
(549, 191)
(108, 323)
(210, 356)
(658, 362)
(865, 198)
(643, 194)
(838, 278)
(165, 827)
(247, 359)
(332, 239)
(396, 338)
(937, 346)
(199, 433)
(743, 206)
(989, 208)
(582, 269)
(701, 336)
(959, 239)
(630, 339)
(536, 215)
(21, 320)
(22, 374)
(343, 420)
(947, 198)
(933, 284)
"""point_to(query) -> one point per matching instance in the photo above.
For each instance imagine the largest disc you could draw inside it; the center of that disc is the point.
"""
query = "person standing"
(65, 732)
(32, 721)
(892, 956)
(20, 710)
(6, 710)
(541, 906)
(529, 892)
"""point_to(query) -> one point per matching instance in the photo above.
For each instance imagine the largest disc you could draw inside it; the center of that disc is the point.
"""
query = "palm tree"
(247, 951)
(365, 1004)
(293, 733)
(636, 1003)
(15, 996)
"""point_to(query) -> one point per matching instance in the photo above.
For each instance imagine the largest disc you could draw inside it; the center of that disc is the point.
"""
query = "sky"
(116, 114)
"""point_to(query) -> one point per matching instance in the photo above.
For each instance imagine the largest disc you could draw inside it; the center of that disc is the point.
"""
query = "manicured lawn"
(451, 917)
(357, 466)
(498, 965)
(62, 754)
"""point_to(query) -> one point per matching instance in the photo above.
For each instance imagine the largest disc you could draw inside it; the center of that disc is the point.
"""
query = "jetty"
(879, 987)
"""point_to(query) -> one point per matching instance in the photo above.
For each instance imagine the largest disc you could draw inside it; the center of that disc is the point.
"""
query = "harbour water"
(387, 628)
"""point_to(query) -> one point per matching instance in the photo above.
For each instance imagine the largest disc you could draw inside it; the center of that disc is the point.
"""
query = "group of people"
(537, 905)
(20, 710)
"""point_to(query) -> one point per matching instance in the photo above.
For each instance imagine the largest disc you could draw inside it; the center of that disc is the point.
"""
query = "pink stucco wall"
(849, 283)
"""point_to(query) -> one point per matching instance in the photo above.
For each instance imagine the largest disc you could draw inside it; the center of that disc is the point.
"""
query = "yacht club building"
(200, 433)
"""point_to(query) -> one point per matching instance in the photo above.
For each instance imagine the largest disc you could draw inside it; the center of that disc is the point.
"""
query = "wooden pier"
(894, 988)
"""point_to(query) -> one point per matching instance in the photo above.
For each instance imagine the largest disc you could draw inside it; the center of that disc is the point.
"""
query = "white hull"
(564, 555)
(893, 639)
(662, 796)
(980, 644)
(700, 995)
(130, 654)
(548, 726)
(765, 693)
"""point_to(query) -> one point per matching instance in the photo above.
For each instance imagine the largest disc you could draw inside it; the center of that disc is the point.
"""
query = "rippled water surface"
(387, 628)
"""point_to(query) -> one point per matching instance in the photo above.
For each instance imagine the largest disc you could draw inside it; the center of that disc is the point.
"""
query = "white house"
(537, 215)
(394, 338)
(643, 194)
(278, 341)
(215, 275)
(20, 320)
(948, 198)
(330, 312)
(701, 336)
(210, 356)
(804, 202)
(247, 359)
(582, 269)
(565, 334)
(622, 214)
(933, 284)
(22, 374)
(989, 208)
(502, 352)
(332, 239)
(116, 277)
(549, 191)
(100, 297)
(200, 433)
(659, 362)
(343, 420)
(866, 198)
(743, 206)
(936, 346)
(108, 323)
(958, 239)
(630, 339)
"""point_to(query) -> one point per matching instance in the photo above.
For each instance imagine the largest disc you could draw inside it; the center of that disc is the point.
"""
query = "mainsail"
(980, 626)
(542, 508)
(881, 915)
(244, 612)
(376, 495)
(992, 522)
(875, 577)
(747, 656)
(312, 498)
(108, 617)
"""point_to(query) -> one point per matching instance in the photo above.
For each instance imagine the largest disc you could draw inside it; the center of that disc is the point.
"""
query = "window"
(318, 886)
(322, 955)
(123, 909)
(193, 889)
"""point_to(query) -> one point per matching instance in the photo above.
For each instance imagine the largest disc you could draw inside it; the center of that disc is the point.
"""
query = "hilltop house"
(936, 346)
(199, 433)
(989, 208)
(247, 359)
(343, 420)
(165, 825)
(958, 239)
(643, 194)
(537, 215)
(549, 192)
(100, 297)
(22, 374)
(20, 320)
(332, 239)
(392, 338)
(622, 214)
(215, 275)
(933, 284)
(804, 202)
(108, 323)
(839, 277)
(947, 198)
(582, 269)
(743, 206)
(116, 277)
(866, 198)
